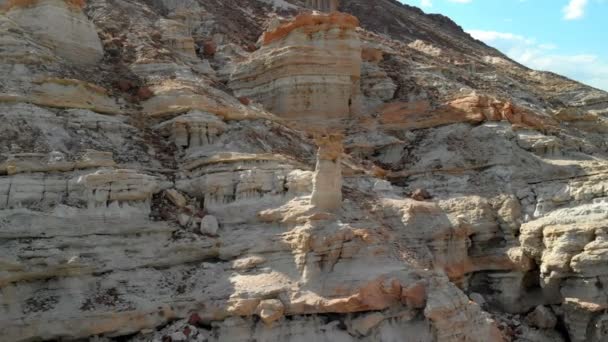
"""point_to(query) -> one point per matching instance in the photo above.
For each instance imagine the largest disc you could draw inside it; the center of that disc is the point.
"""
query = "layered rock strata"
(306, 69)
(146, 199)
(327, 181)
(59, 25)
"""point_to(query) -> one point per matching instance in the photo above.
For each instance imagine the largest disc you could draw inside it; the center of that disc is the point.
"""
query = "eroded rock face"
(327, 180)
(147, 199)
(59, 25)
(307, 68)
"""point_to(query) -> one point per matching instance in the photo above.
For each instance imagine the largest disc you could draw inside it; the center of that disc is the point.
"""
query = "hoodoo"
(160, 179)
(327, 181)
(307, 69)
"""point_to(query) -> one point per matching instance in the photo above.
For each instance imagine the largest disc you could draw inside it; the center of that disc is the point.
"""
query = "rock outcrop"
(306, 69)
(327, 180)
(59, 25)
(159, 180)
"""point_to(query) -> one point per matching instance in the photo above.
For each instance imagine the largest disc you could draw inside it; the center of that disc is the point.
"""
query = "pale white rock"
(62, 27)
(192, 130)
(209, 225)
(518, 183)
(477, 298)
(382, 186)
(184, 219)
(327, 182)
(425, 47)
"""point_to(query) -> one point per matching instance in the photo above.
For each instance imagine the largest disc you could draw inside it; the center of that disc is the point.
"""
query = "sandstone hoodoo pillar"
(327, 181)
(306, 70)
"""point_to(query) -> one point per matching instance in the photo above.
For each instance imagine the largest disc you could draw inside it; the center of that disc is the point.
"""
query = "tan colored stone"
(327, 182)
(285, 74)
(270, 310)
(471, 109)
(176, 198)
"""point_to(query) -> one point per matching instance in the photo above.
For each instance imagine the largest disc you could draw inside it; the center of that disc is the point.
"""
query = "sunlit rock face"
(307, 68)
(59, 25)
(327, 183)
(149, 197)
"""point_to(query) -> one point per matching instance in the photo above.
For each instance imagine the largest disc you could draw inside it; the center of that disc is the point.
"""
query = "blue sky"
(569, 37)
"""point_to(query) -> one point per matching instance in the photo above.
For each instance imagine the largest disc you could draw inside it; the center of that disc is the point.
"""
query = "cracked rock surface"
(259, 170)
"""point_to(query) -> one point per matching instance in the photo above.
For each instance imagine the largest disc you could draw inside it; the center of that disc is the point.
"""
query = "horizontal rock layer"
(164, 191)
(306, 68)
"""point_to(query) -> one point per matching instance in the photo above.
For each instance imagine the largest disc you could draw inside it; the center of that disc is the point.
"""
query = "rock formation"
(59, 25)
(159, 180)
(306, 69)
(327, 180)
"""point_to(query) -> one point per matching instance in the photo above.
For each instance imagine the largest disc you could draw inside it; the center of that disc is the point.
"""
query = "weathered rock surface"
(172, 188)
(59, 25)
(327, 181)
(306, 69)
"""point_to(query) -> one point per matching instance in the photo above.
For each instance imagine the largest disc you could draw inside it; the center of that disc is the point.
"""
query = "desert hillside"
(273, 170)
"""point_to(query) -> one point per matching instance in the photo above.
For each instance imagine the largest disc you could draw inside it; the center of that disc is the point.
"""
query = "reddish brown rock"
(144, 93)
(209, 48)
(415, 295)
(244, 100)
(312, 24)
(194, 319)
(371, 55)
(421, 195)
(125, 85)
(471, 109)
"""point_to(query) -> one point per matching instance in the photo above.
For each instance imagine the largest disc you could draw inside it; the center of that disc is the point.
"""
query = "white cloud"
(586, 68)
(575, 9)
(426, 3)
(548, 46)
(493, 36)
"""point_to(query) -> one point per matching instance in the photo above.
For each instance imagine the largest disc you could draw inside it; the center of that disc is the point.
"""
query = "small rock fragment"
(421, 195)
(542, 317)
(144, 93)
(176, 198)
(209, 48)
(477, 298)
(244, 100)
(178, 336)
(194, 319)
(270, 310)
(209, 225)
(183, 219)
(365, 323)
(125, 85)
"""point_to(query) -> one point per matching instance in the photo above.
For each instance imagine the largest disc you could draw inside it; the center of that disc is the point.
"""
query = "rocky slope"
(227, 170)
